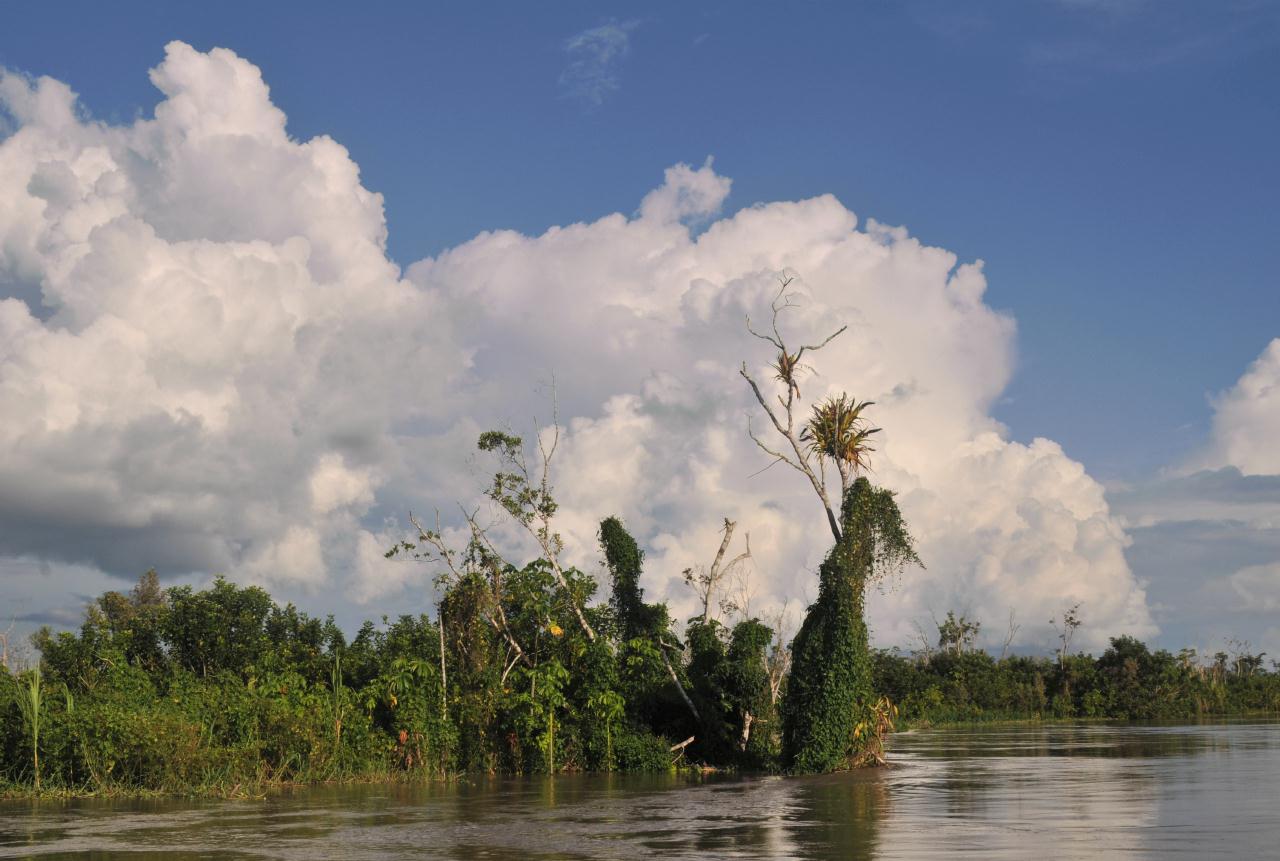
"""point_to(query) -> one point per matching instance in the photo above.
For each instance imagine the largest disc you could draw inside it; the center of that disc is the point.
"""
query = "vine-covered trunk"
(827, 709)
(830, 686)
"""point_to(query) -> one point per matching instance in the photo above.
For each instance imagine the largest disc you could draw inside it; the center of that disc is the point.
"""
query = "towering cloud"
(1246, 420)
(209, 378)
(224, 372)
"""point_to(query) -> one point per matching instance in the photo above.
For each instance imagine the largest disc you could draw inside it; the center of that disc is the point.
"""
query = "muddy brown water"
(1040, 792)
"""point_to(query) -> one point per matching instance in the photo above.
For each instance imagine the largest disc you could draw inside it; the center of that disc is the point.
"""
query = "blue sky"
(1112, 162)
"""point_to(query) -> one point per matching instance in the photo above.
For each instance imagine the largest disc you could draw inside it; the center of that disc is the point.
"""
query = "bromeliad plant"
(838, 432)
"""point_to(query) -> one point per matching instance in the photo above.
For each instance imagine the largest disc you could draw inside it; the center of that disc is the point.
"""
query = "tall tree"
(639, 623)
(828, 707)
(805, 456)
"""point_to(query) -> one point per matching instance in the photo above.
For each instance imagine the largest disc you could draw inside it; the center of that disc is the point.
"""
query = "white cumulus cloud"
(224, 371)
(1246, 422)
(210, 378)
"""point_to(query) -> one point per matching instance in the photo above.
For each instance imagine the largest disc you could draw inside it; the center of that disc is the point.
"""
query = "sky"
(270, 270)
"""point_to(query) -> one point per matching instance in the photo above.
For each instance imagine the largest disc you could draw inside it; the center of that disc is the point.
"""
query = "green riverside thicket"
(223, 691)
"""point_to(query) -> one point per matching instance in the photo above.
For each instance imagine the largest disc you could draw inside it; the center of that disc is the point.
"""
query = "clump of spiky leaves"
(838, 431)
(786, 370)
(830, 706)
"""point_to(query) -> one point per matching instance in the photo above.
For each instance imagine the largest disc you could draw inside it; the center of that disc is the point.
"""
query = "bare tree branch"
(827, 340)
(1013, 630)
(714, 575)
(783, 416)
(779, 664)
(705, 582)
(530, 502)
(662, 650)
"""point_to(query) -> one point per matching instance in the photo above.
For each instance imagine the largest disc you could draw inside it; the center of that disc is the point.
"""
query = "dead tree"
(1070, 622)
(675, 677)
(1008, 639)
(782, 415)
(779, 663)
(527, 498)
(705, 582)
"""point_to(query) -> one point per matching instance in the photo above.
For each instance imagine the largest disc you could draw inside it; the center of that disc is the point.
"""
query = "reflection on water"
(1048, 792)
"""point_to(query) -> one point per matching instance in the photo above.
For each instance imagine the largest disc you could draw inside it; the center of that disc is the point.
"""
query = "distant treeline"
(222, 690)
(1126, 682)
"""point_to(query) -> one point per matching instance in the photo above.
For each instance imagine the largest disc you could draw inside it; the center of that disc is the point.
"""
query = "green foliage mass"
(106, 714)
(830, 691)
(624, 559)
(1128, 681)
(222, 690)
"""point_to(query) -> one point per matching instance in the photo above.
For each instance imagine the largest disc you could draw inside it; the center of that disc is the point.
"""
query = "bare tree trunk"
(679, 687)
(548, 540)
(564, 584)
(780, 659)
(719, 569)
(444, 679)
(1013, 630)
(788, 367)
(511, 641)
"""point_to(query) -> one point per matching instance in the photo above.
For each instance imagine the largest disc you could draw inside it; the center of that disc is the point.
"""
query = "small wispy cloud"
(594, 56)
(1110, 7)
(1138, 35)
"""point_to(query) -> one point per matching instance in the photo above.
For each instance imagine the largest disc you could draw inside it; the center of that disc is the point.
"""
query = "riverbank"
(401, 780)
(1003, 721)
(223, 693)
(996, 794)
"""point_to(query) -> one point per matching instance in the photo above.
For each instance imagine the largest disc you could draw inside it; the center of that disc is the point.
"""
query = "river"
(1043, 792)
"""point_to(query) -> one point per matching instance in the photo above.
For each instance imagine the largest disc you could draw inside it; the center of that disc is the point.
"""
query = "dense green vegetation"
(1127, 682)
(222, 690)
(521, 669)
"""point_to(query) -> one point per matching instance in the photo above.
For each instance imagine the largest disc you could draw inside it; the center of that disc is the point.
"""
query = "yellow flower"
(556, 630)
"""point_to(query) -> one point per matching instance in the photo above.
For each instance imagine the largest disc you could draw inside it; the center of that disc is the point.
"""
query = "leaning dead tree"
(835, 429)
(707, 582)
(779, 662)
(527, 498)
